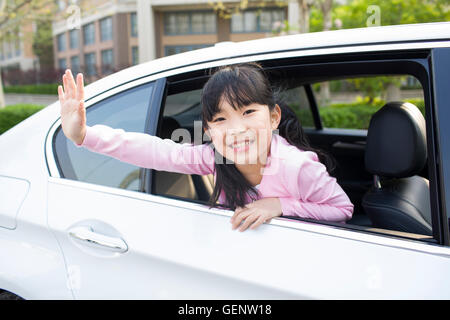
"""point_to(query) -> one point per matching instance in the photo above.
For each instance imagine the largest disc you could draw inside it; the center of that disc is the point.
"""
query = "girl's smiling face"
(243, 135)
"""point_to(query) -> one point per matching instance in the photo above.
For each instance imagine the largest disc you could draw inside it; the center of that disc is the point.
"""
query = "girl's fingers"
(243, 215)
(73, 87)
(258, 222)
(248, 221)
(237, 212)
(235, 217)
(80, 87)
(66, 86)
(68, 89)
(60, 94)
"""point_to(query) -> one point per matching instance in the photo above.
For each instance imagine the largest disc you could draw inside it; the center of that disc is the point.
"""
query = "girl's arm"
(136, 148)
(148, 151)
(314, 193)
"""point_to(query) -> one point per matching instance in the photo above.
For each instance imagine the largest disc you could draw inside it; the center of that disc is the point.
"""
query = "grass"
(13, 114)
(33, 89)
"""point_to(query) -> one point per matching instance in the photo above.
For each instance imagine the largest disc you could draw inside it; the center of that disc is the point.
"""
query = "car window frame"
(441, 96)
(421, 59)
(417, 58)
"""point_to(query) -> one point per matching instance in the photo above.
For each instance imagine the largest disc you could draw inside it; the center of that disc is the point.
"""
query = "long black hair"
(241, 85)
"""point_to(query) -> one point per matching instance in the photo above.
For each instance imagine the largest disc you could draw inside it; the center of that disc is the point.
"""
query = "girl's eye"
(245, 112)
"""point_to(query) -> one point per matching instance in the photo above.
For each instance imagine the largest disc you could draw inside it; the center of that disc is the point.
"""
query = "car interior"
(382, 168)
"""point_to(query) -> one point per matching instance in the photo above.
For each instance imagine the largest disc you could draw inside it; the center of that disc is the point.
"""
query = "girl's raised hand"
(73, 113)
(256, 213)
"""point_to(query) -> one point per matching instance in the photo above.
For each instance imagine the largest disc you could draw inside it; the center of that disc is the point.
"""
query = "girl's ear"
(275, 117)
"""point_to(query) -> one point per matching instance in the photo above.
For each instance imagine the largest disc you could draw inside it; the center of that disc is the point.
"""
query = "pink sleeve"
(149, 151)
(315, 194)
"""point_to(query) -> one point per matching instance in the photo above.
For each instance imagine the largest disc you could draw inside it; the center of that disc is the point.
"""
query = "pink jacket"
(296, 177)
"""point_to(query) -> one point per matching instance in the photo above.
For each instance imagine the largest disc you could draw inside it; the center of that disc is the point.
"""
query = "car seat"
(178, 184)
(396, 152)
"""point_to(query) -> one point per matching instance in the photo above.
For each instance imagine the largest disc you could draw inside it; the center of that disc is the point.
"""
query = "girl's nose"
(238, 127)
(236, 134)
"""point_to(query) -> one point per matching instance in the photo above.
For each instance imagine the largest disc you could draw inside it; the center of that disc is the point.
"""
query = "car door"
(148, 247)
(120, 242)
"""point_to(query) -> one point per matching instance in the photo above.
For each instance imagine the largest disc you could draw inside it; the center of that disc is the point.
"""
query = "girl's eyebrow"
(217, 114)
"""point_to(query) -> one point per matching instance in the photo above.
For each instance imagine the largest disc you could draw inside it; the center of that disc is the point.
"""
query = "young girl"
(258, 173)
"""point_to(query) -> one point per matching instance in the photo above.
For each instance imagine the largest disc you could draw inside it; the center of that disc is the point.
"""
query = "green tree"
(16, 13)
(43, 44)
(354, 13)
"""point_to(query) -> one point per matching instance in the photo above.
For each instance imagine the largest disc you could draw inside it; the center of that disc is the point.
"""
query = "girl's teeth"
(241, 144)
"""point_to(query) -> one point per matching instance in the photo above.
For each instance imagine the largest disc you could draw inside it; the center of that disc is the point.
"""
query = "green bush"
(343, 115)
(348, 115)
(33, 89)
(13, 114)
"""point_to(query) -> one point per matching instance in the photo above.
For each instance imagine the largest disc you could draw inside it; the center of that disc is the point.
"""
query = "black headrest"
(396, 141)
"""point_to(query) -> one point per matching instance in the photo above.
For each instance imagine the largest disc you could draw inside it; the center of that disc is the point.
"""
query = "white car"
(75, 224)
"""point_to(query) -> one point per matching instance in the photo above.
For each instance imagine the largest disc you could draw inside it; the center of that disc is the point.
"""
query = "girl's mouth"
(241, 146)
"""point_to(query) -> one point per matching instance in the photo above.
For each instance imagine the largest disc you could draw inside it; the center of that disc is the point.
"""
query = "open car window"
(335, 121)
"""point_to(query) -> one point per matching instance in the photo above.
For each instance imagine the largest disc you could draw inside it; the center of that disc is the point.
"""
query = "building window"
(89, 33)
(268, 18)
(189, 22)
(89, 61)
(134, 32)
(134, 55)
(106, 29)
(75, 64)
(107, 61)
(256, 21)
(61, 42)
(169, 50)
(62, 64)
(73, 37)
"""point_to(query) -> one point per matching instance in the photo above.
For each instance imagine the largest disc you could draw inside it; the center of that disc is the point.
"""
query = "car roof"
(437, 31)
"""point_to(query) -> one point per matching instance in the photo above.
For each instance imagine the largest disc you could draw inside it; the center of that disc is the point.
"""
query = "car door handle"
(86, 235)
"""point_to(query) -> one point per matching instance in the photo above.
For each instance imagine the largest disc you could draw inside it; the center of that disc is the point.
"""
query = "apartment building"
(114, 34)
(98, 39)
(174, 26)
